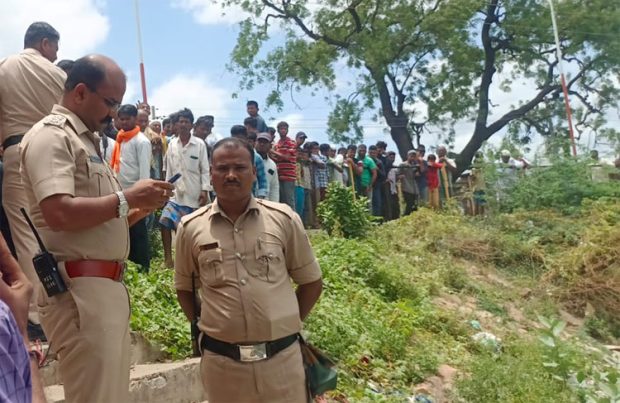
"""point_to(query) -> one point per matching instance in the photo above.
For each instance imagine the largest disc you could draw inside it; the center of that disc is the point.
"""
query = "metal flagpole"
(142, 76)
(562, 79)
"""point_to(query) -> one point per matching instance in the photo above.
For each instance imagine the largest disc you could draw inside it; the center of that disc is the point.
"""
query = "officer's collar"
(216, 209)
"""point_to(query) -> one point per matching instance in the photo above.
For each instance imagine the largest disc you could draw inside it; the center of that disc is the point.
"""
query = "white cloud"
(133, 92)
(296, 122)
(211, 12)
(81, 24)
(194, 92)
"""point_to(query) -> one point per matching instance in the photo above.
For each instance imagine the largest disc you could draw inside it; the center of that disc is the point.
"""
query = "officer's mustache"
(231, 182)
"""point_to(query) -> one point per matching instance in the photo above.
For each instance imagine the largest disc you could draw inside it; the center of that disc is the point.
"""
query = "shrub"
(155, 312)
(515, 375)
(342, 214)
(563, 186)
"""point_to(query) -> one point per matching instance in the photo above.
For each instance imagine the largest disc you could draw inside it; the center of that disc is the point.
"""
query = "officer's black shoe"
(35, 332)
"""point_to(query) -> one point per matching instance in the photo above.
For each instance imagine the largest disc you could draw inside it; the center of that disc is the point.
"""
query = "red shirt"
(287, 164)
(432, 174)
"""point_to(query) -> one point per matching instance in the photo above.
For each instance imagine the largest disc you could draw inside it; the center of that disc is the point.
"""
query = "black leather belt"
(249, 352)
(11, 141)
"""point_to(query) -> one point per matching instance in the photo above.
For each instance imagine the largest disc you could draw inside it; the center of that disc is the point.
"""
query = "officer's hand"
(15, 288)
(148, 194)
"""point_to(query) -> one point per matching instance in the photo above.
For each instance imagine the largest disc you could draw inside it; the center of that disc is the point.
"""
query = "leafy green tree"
(451, 55)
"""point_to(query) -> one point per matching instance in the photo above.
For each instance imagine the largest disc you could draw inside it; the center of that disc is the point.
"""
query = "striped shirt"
(286, 165)
(15, 381)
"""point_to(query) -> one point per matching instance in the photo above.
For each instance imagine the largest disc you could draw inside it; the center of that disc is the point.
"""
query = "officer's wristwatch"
(123, 207)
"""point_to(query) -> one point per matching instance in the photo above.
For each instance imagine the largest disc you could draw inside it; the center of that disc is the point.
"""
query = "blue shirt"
(259, 188)
(15, 380)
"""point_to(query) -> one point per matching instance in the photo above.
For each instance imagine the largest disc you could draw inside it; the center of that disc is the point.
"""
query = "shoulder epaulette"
(54, 120)
(199, 212)
(281, 207)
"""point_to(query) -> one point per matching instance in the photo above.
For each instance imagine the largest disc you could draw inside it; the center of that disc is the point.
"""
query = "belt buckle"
(252, 353)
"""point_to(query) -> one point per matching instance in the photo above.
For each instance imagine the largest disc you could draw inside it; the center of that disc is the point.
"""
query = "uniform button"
(243, 281)
(237, 230)
(239, 255)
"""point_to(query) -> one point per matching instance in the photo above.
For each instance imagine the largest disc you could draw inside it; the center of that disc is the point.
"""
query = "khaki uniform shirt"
(59, 155)
(244, 270)
(29, 85)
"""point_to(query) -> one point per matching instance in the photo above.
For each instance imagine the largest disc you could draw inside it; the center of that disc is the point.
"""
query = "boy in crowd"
(432, 179)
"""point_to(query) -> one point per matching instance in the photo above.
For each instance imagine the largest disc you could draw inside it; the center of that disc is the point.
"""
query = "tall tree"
(446, 54)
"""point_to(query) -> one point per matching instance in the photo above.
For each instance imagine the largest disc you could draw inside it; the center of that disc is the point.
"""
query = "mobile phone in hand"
(174, 178)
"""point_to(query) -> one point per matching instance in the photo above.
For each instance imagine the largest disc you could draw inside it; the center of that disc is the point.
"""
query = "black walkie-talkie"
(45, 265)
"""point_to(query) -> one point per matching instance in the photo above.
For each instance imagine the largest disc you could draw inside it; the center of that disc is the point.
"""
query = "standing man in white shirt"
(186, 155)
(131, 160)
(262, 146)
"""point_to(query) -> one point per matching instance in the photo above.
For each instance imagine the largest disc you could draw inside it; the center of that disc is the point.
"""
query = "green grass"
(376, 315)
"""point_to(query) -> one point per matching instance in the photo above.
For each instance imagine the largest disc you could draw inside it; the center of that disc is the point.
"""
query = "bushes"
(155, 312)
(515, 375)
(562, 187)
(343, 215)
(590, 272)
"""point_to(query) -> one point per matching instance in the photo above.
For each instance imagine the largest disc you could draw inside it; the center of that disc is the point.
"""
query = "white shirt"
(135, 160)
(213, 138)
(339, 161)
(192, 162)
(273, 184)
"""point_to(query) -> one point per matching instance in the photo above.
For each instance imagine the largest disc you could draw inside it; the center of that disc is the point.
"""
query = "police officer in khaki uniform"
(83, 218)
(243, 253)
(30, 85)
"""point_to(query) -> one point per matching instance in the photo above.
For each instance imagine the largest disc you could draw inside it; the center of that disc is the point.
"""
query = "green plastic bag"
(320, 373)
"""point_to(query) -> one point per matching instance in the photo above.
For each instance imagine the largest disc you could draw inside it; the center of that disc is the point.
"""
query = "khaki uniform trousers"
(14, 198)
(88, 327)
(278, 379)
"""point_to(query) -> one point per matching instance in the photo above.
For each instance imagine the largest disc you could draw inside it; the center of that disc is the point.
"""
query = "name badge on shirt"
(210, 246)
(193, 157)
(96, 159)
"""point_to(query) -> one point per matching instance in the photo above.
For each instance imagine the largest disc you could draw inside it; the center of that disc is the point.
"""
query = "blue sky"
(187, 44)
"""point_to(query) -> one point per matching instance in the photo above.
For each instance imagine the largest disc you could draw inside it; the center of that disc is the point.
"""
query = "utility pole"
(562, 79)
(142, 75)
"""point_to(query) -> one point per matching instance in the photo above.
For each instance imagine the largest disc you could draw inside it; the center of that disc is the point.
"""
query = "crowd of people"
(96, 176)
(84, 175)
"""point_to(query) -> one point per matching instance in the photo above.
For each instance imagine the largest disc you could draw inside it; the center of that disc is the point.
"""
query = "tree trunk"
(401, 136)
(465, 157)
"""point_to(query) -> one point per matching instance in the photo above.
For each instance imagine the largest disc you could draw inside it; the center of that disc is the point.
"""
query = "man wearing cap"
(262, 146)
(242, 254)
(83, 217)
(284, 153)
(30, 84)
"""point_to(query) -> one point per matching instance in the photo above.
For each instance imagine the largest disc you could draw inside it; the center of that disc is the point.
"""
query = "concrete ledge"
(161, 382)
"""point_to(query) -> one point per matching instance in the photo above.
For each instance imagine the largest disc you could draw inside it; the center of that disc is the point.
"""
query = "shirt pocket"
(210, 263)
(193, 163)
(98, 182)
(269, 264)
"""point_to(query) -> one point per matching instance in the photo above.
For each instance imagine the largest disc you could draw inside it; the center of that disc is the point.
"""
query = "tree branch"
(489, 65)
(355, 16)
(286, 13)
